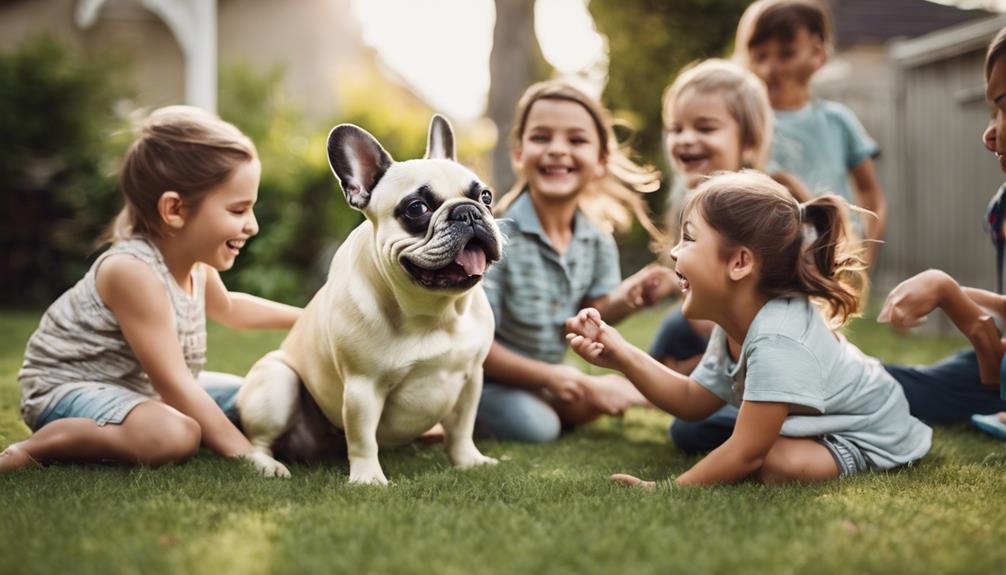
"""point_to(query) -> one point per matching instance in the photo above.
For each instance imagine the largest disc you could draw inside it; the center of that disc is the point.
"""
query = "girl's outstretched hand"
(594, 340)
(613, 394)
(632, 481)
(648, 286)
(910, 302)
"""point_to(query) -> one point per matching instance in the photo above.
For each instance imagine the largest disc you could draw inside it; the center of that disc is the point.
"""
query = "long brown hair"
(612, 200)
(177, 148)
(750, 209)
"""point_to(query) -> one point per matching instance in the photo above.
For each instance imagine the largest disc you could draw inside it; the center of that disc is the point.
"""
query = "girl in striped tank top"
(114, 370)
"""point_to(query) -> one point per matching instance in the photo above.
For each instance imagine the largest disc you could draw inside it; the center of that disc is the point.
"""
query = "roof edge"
(945, 43)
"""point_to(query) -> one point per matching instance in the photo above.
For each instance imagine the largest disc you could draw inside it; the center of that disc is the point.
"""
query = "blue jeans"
(110, 404)
(514, 414)
(948, 391)
(676, 338)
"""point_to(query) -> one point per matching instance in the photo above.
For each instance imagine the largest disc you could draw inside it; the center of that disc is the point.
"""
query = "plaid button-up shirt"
(533, 290)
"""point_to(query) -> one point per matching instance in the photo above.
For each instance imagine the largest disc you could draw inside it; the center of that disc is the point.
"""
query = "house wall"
(927, 112)
(945, 172)
(316, 42)
(123, 27)
(862, 78)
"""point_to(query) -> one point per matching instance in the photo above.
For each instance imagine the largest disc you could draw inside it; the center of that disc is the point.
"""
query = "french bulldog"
(393, 343)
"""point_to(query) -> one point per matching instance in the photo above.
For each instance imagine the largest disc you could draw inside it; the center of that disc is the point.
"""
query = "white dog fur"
(387, 348)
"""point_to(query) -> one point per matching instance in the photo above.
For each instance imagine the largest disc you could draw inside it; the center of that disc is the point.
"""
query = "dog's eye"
(417, 209)
(487, 197)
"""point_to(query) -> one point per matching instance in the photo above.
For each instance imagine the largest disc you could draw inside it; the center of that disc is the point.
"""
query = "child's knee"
(523, 418)
(176, 439)
(777, 467)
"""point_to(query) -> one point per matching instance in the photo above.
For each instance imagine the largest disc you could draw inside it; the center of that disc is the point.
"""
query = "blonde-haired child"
(717, 117)
(574, 186)
(811, 405)
(114, 370)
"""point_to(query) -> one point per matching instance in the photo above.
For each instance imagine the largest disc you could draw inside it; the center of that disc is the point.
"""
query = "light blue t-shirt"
(533, 290)
(791, 356)
(821, 144)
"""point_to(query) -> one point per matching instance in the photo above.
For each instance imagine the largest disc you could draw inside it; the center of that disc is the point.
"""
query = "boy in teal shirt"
(784, 42)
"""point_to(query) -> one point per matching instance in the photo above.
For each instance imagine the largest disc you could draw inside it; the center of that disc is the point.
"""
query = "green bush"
(57, 111)
(301, 210)
(63, 142)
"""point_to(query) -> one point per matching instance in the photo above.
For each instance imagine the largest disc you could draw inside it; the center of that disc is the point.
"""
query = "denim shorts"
(847, 455)
(108, 403)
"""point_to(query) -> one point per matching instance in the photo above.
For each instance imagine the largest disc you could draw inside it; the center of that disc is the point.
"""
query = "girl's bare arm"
(915, 297)
(642, 289)
(602, 345)
(757, 430)
(141, 304)
(244, 311)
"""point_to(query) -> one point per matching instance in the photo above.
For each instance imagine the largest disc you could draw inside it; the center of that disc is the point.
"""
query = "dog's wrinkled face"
(432, 217)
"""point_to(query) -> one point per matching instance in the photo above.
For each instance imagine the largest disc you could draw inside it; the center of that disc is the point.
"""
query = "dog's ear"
(359, 162)
(440, 144)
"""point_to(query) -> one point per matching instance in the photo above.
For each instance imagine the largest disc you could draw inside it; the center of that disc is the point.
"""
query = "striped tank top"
(79, 342)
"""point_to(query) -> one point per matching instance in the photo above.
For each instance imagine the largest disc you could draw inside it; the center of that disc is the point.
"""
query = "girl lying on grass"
(774, 276)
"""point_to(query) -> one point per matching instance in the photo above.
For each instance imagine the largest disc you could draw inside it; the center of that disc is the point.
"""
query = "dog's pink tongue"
(473, 260)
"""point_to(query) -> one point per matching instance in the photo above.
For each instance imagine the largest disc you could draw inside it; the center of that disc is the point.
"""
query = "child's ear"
(602, 166)
(516, 155)
(741, 264)
(748, 155)
(819, 54)
(171, 210)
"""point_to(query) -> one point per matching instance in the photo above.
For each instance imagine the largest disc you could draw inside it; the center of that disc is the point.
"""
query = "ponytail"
(750, 209)
(830, 269)
(119, 229)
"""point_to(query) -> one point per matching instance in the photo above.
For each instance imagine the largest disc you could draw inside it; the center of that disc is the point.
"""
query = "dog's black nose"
(467, 213)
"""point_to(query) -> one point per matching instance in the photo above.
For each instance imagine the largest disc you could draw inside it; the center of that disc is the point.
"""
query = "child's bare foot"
(434, 434)
(632, 481)
(1002, 416)
(15, 457)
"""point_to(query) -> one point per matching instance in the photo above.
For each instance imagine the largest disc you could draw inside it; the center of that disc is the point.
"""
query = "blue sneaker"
(990, 424)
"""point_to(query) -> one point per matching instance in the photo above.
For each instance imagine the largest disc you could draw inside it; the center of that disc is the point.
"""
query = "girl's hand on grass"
(265, 465)
(632, 481)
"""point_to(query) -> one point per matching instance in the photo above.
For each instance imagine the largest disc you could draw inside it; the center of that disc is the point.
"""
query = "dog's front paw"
(265, 465)
(366, 473)
(474, 460)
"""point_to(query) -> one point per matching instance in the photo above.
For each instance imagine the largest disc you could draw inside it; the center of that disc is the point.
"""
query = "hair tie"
(800, 212)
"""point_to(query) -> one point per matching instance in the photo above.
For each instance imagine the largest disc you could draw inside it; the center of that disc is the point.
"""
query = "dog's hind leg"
(268, 402)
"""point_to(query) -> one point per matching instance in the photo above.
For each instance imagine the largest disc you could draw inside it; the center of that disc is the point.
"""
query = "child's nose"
(251, 226)
(763, 69)
(687, 136)
(557, 147)
(989, 136)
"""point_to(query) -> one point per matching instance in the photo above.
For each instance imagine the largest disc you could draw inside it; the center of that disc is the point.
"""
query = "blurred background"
(74, 75)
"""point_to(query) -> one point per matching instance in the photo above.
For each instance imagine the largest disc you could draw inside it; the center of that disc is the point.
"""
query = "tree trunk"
(514, 64)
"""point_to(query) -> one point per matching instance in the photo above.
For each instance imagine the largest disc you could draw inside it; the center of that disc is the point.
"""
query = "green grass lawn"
(545, 508)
